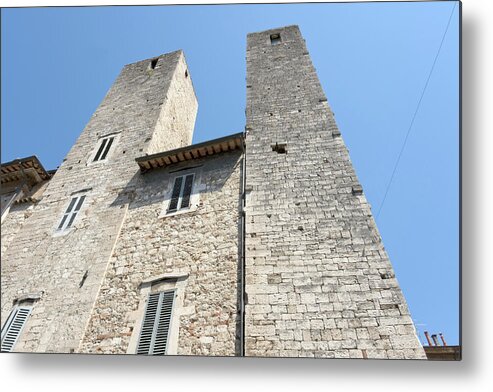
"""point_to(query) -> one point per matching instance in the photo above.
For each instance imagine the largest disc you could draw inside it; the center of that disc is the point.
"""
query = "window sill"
(166, 214)
(61, 233)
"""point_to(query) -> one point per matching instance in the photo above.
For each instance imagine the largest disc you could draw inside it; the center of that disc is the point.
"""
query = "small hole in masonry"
(280, 148)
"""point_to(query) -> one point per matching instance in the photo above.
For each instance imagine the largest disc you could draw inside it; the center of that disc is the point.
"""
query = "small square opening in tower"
(154, 63)
(275, 39)
(280, 148)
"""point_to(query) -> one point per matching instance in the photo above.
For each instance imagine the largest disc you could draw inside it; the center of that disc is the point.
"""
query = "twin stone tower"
(256, 244)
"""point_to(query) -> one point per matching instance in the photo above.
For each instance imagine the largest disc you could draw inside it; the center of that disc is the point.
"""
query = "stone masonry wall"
(40, 260)
(200, 243)
(18, 212)
(318, 280)
(13, 223)
(173, 120)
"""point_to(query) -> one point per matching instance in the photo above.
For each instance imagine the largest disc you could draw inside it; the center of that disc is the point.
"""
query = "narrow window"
(104, 148)
(154, 334)
(71, 212)
(13, 327)
(182, 191)
(275, 39)
(154, 63)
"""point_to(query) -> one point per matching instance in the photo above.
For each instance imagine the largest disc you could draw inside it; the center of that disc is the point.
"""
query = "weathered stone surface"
(201, 244)
(318, 280)
(309, 226)
(39, 258)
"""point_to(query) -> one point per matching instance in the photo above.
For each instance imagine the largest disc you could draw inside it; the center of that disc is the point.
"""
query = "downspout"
(242, 249)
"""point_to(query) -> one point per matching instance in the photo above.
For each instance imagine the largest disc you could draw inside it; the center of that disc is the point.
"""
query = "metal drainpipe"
(242, 250)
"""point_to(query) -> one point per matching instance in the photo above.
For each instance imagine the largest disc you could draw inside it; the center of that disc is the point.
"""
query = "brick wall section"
(318, 279)
(39, 261)
(202, 243)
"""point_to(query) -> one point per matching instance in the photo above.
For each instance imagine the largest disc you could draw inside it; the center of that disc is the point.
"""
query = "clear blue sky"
(373, 61)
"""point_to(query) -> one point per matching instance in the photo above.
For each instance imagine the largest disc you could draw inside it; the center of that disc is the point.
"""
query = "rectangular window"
(13, 327)
(182, 191)
(71, 212)
(154, 334)
(275, 39)
(104, 148)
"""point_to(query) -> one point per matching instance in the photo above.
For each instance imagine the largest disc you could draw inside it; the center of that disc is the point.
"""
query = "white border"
(82, 373)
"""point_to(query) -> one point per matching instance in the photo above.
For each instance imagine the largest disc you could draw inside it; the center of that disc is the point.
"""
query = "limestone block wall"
(200, 246)
(67, 269)
(178, 113)
(17, 212)
(13, 222)
(318, 280)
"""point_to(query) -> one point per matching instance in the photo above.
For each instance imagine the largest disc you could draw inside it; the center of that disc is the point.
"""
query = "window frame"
(105, 146)
(69, 217)
(181, 194)
(156, 318)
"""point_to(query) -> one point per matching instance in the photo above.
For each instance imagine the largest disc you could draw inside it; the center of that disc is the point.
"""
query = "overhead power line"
(415, 113)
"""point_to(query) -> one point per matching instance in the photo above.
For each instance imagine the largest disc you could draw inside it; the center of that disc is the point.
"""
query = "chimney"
(443, 339)
(428, 338)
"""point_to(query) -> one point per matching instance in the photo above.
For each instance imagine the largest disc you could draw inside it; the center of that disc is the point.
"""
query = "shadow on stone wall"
(150, 188)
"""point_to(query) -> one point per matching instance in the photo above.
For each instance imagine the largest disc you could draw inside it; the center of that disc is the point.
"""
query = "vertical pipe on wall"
(242, 250)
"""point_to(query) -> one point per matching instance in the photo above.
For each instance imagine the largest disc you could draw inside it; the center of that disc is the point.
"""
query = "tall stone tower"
(318, 280)
(142, 242)
(60, 256)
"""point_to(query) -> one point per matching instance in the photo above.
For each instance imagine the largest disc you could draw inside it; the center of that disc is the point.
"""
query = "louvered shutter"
(13, 328)
(175, 195)
(153, 338)
(187, 191)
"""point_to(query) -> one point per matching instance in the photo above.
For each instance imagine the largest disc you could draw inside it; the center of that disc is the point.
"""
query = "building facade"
(256, 244)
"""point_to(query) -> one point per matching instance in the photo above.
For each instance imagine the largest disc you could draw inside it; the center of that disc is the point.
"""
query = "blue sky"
(373, 61)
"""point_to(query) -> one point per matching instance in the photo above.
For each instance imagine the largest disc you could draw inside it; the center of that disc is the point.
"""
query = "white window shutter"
(13, 327)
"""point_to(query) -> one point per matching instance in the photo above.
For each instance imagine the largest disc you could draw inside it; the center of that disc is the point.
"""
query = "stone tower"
(318, 280)
(257, 244)
(60, 252)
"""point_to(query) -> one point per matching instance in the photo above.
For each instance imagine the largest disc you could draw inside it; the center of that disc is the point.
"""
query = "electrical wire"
(415, 113)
